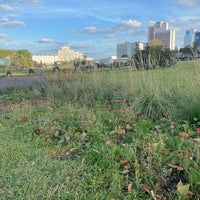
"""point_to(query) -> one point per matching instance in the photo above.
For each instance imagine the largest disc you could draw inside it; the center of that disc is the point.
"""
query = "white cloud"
(187, 3)
(131, 23)
(20, 1)
(3, 36)
(29, 1)
(90, 29)
(123, 26)
(45, 41)
(13, 24)
(6, 8)
(4, 19)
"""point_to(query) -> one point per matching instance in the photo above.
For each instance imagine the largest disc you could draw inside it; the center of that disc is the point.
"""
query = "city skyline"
(93, 28)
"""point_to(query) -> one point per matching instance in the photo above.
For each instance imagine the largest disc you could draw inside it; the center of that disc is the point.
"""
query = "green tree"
(153, 55)
(23, 58)
(19, 58)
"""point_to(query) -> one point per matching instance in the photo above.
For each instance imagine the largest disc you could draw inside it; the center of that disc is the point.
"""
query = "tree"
(19, 58)
(189, 52)
(24, 58)
(153, 55)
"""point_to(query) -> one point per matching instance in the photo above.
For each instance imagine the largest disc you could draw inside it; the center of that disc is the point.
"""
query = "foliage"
(19, 58)
(190, 52)
(154, 55)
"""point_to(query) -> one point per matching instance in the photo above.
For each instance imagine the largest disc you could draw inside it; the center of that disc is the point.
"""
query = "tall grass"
(163, 93)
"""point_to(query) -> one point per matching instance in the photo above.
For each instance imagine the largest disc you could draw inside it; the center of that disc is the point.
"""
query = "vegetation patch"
(110, 135)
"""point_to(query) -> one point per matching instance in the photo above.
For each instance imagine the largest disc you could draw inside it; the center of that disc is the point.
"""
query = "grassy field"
(113, 135)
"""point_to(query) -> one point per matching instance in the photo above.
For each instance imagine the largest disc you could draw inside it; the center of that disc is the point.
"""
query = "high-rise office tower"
(189, 37)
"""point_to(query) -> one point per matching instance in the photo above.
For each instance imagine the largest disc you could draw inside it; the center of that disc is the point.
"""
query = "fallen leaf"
(110, 142)
(175, 167)
(136, 164)
(67, 138)
(120, 130)
(57, 134)
(196, 140)
(77, 133)
(39, 131)
(24, 118)
(184, 134)
(130, 186)
(184, 190)
(161, 197)
(125, 165)
(147, 188)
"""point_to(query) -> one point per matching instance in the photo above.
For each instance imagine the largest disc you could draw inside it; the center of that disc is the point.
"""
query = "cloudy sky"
(88, 26)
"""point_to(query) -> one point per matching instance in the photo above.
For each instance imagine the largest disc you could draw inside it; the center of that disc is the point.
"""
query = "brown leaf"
(175, 167)
(125, 165)
(110, 142)
(120, 130)
(77, 133)
(184, 134)
(196, 140)
(57, 134)
(147, 188)
(136, 164)
(130, 186)
(67, 138)
(24, 118)
(161, 197)
(38, 131)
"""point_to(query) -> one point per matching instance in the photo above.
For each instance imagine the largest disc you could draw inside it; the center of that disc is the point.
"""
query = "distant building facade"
(129, 48)
(45, 59)
(197, 40)
(160, 31)
(65, 54)
(189, 37)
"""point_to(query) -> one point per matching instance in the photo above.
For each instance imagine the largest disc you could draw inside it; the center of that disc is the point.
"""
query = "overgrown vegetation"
(102, 135)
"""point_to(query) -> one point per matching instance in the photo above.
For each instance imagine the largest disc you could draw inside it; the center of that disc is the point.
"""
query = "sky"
(88, 26)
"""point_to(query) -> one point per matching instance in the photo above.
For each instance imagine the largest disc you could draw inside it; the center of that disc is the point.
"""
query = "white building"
(189, 37)
(160, 31)
(65, 54)
(44, 59)
(129, 48)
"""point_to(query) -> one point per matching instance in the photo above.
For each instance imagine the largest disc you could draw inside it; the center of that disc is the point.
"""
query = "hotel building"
(160, 31)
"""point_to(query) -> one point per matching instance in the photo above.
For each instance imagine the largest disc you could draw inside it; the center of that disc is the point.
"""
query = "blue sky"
(91, 27)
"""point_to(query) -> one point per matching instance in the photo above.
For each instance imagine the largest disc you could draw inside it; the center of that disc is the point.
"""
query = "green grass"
(103, 135)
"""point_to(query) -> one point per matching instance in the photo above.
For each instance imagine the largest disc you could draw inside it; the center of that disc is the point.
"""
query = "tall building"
(197, 40)
(189, 37)
(129, 48)
(160, 31)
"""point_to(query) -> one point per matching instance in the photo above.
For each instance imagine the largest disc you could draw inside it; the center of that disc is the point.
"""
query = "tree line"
(152, 56)
(18, 58)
